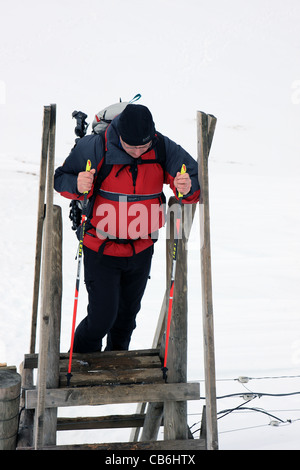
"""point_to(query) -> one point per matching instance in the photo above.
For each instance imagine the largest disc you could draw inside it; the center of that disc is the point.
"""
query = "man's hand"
(85, 180)
(182, 183)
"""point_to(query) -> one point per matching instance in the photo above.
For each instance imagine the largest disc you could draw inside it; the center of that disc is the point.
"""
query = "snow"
(236, 60)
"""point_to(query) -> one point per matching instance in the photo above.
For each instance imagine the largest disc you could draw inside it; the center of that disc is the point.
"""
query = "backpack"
(99, 125)
(105, 116)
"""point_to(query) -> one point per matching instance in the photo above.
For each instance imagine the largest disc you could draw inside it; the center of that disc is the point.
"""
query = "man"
(125, 216)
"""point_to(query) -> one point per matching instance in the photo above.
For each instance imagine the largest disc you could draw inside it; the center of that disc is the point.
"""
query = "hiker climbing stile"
(126, 210)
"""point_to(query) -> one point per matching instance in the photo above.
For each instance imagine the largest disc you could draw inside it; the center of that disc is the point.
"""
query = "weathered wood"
(157, 340)
(205, 128)
(114, 394)
(103, 360)
(155, 410)
(25, 436)
(113, 367)
(100, 422)
(111, 363)
(54, 297)
(40, 222)
(26, 422)
(44, 423)
(10, 387)
(116, 376)
(53, 377)
(203, 424)
(176, 445)
(175, 413)
(153, 421)
(161, 323)
(175, 420)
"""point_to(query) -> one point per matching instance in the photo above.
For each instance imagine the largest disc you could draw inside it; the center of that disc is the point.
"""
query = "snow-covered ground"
(236, 60)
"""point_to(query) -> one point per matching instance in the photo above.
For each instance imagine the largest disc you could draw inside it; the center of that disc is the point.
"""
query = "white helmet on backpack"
(104, 117)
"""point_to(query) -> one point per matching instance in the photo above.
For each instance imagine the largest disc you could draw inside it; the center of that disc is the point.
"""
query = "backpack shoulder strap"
(105, 167)
(103, 173)
(161, 149)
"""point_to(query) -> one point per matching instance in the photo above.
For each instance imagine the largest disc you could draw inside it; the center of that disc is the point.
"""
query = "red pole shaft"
(83, 220)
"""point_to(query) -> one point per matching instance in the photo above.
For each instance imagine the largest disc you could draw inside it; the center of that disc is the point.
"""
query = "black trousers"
(115, 287)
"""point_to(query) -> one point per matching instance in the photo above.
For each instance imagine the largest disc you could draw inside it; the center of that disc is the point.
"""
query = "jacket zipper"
(134, 172)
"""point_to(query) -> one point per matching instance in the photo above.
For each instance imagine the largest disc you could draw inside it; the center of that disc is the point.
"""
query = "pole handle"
(182, 171)
(88, 168)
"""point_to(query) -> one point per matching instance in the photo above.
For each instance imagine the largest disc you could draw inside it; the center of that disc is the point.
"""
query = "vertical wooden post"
(25, 434)
(42, 420)
(175, 413)
(10, 387)
(155, 410)
(205, 128)
(40, 222)
(52, 375)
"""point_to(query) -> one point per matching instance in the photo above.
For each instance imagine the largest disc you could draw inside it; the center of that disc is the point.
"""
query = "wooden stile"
(113, 377)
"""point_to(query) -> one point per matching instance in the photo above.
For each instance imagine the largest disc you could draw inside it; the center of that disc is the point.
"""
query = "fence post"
(40, 223)
(175, 413)
(205, 129)
(44, 423)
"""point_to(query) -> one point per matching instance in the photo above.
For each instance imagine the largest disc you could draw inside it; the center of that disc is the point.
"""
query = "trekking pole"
(83, 220)
(173, 272)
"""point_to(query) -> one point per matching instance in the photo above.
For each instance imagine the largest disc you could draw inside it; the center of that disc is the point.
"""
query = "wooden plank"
(111, 364)
(115, 354)
(116, 376)
(47, 290)
(40, 223)
(52, 378)
(104, 359)
(175, 413)
(26, 420)
(100, 422)
(153, 421)
(113, 394)
(176, 445)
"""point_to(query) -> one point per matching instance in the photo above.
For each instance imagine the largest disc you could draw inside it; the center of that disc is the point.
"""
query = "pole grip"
(88, 168)
(182, 171)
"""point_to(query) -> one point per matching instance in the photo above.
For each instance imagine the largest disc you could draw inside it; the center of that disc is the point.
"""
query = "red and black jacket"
(128, 207)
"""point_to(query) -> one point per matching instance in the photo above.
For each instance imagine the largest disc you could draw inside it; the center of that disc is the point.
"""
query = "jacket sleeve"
(90, 147)
(176, 156)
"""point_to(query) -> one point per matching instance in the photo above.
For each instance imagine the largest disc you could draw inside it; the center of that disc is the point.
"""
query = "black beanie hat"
(136, 126)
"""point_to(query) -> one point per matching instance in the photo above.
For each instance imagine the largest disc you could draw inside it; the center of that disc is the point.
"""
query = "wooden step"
(176, 445)
(108, 367)
(101, 422)
(116, 376)
(145, 358)
(114, 394)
